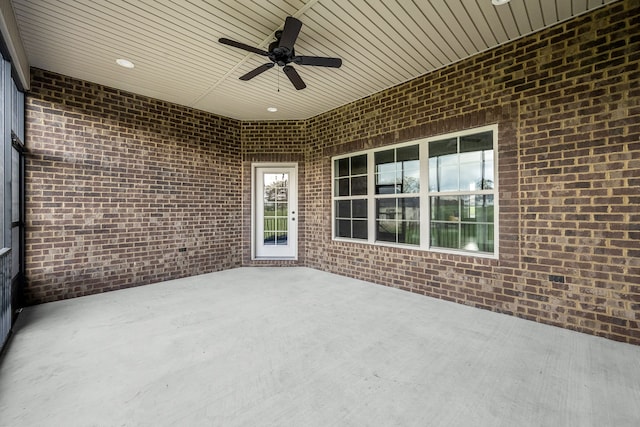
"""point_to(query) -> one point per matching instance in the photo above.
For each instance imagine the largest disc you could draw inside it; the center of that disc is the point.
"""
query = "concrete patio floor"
(300, 347)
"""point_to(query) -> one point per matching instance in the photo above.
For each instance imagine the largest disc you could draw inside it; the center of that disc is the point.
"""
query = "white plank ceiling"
(174, 45)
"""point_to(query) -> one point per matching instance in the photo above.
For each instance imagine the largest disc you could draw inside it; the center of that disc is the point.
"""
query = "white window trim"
(424, 195)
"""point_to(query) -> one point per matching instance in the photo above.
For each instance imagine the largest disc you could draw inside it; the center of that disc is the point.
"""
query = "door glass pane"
(269, 209)
(282, 224)
(276, 215)
(269, 224)
(269, 238)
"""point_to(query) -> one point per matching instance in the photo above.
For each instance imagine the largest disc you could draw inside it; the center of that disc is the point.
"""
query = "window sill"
(419, 248)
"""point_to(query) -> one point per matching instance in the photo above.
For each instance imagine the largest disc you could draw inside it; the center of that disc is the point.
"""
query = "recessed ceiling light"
(499, 2)
(124, 63)
(272, 109)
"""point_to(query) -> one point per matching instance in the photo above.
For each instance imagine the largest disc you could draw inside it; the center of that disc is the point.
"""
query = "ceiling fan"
(281, 52)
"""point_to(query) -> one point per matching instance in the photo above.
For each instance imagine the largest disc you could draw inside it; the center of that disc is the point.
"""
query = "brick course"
(116, 183)
(123, 190)
(567, 104)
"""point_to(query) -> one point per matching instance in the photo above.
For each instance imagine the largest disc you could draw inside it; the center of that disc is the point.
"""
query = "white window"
(434, 194)
(397, 195)
(350, 197)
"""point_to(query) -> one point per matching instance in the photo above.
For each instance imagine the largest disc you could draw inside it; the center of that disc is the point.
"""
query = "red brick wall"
(123, 190)
(265, 142)
(567, 102)
(117, 183)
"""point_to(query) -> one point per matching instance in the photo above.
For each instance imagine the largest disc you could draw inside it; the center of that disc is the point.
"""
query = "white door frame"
(257, 197)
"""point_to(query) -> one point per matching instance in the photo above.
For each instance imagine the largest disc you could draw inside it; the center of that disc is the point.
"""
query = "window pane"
(410, 178)
(471, 170)
(445, 208)
(397, 220)
(445, 235)
(477, 142)
(386, 231)
(386, 223)
(342, 167)
(487, 183)
(405, 154)
(343, 208)
(476, 170)
(359, 208)
(359, 165)
(409, 228)
(409, 208)
(360, 229)
(443, 165)
(409, 232)
(384, 158)
(343, 228)
(484, 208)
(443, 147)
(477, 208)
(343, 187)
(386, 209)
(477, 237)
(359, 186)
(476, 161)
(409, 169)
(443, 173)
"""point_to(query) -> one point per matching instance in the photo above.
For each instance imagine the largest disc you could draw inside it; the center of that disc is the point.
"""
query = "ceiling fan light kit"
(282, 53)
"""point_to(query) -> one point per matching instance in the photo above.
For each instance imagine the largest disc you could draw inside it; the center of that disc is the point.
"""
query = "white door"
(275, 203)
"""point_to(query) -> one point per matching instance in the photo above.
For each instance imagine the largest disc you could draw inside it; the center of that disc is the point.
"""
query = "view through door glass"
(275, 193)
(275, 203)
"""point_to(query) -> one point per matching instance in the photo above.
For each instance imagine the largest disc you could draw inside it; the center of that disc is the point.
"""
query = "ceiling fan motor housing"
(281, 55)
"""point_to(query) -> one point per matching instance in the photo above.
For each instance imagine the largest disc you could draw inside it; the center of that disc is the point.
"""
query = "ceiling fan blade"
(290, 32)
(261, 69)
(294, 77)
(243, 46)
(318, 61)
